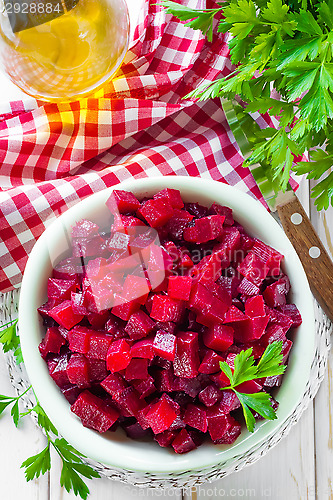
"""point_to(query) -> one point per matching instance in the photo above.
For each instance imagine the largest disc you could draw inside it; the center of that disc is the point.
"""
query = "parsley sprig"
(285, 45)
(10, 340)
(246, 370)
(73, 466)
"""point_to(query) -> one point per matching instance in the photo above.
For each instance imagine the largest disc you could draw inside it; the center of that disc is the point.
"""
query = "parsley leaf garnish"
(73, 466)
(285, 46)
(245, 370)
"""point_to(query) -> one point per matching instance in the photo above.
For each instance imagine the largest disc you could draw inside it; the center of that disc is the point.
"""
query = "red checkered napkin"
(53, 155)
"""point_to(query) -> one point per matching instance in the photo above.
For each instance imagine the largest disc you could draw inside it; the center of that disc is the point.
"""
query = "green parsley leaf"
(43, 419)
(270, 362)
(285, 46)
(198, 19)
(244, 367)
(70, 480)
(259, 402)
(37, 464)
(15, 413)
(245, 370)
(249, 418)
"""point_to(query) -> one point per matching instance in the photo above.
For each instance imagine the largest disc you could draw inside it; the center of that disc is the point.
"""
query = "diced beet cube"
(195, 416)
(234, 314)
(52, 342)
(60, 289)
(229, 401)
(98, 320)
(124, 310)
(135, 287)
(122, 201)
(48, 306)
(97, 369)
(277, 317)
(78, 303)
(209, 308)
(271, 256)
(183, 443)
(172, 195)
(255, 306)
(275, 294)
(253, 268)
(84, 229)
(129, 402)
(114, 384)
(293, 313)
(68, 269)
(165, 345)
(178, 223)
(93, 412)
(156, 211)
(210, 362)
(224, 211)
(161, 415)
(89, 247)
(249, 387)
(251, 329)
(139, 325)
(143, 238)
(186, 362)
(71, 393)
(190, 234)
(165, 438)
(118, 356)
(163, 363)
(57, 368)
(217, 426)
(209, 228)
(64, 315)
(185, 261)
(248, 289)
(79, 339)
(286, 346)
(210, 395)
(232, 433)
(179, 287)
(167, 326)
(166, 309)
(143, 348)
(145, 387)
(137, 369)
(196, 209)
(78, 370)
(114, 326)
(99, 344)
(273, 333)
(164, 380)
(119, 242)
(125, 223)
(135, 431)
(191, 386)
(219, 337)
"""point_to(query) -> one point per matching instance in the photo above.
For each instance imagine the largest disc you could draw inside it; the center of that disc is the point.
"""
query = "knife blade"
(285, 207)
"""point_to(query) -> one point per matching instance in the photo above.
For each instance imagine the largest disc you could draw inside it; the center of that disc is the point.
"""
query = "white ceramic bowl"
(115, 449)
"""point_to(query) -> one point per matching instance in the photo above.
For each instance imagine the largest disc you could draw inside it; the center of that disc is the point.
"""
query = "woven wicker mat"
(186, 479)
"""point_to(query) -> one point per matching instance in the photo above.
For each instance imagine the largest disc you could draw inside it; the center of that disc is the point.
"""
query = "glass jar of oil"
(61, 50)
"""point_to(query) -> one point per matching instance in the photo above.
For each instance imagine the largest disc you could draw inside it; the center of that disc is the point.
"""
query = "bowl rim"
(132, 456)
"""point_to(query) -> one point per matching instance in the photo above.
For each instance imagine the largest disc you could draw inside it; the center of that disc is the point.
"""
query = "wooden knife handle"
(316, 262)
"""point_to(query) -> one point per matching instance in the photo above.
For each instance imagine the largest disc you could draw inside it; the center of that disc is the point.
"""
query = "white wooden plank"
(107, 489)
(323, 414)
(287, 471)
(16, 446)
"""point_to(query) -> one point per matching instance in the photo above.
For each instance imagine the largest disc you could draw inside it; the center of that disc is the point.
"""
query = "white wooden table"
(300, 467)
